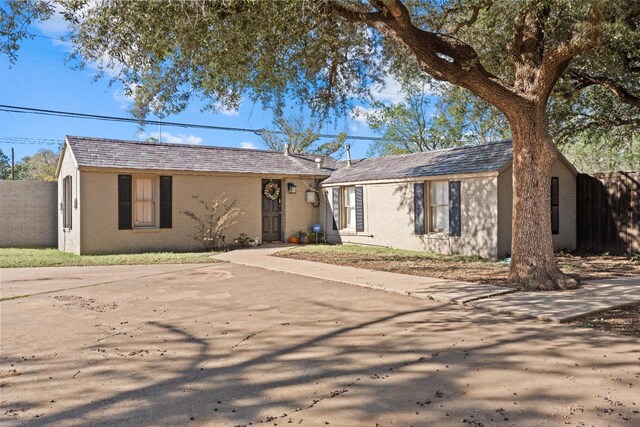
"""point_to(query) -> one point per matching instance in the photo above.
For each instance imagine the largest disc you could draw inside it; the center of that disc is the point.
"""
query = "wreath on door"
(271, 191)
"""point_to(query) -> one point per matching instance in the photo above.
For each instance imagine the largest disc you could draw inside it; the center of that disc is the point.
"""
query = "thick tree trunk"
(533, 265)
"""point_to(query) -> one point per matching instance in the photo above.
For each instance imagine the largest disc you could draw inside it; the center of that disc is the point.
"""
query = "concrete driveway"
(234, 345)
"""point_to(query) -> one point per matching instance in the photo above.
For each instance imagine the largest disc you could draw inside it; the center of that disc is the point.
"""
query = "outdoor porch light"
(291, 187)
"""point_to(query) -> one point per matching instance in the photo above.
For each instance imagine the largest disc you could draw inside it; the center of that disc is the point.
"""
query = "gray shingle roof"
(113, 153)
(458, 160)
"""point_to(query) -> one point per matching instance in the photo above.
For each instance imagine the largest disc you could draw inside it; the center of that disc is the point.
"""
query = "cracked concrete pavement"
(228, 344)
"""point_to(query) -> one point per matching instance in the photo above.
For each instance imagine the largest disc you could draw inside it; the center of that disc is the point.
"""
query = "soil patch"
(623, 321)
(85, 303)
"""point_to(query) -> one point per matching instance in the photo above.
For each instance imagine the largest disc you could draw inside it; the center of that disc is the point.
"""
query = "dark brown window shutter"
(359, 210)
(455, 225)
(124, 202)
(336, 208)
(555, 205)
(166, 197)
(418, 208)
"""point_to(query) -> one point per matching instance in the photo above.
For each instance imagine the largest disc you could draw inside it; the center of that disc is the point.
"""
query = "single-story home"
(128, 196)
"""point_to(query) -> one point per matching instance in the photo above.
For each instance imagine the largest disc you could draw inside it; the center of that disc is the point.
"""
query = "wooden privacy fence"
(608, 212)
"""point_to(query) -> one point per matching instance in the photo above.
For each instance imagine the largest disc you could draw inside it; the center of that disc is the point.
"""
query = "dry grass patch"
(458, 267)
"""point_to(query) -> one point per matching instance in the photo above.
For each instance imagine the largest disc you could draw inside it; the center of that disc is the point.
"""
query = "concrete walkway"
(417, 286)
(562, 306)
(565, 306)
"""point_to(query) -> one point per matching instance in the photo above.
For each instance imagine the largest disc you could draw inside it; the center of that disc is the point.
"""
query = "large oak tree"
(513, 54)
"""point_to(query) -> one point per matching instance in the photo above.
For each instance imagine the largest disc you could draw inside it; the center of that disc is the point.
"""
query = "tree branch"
(475, 12)
(556, 61)
(353, 15)
(582, 81)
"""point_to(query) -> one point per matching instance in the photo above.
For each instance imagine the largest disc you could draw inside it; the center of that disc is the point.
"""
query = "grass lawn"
(11, 258)
(458, 267)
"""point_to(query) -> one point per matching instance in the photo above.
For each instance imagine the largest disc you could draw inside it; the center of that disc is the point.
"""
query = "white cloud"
(220, 108)
(55, 26)
(125, 97)
(171, 138)
(390, 90)
(361, 114)
(247, 145)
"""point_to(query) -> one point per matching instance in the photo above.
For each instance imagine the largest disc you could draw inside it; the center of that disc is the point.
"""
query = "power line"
(19, 138)
(75, 115)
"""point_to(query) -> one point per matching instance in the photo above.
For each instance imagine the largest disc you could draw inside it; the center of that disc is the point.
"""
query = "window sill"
(352, 232)
(436, 235)
(145, 229)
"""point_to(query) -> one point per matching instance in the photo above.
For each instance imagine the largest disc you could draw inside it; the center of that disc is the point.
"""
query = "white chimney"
(318, 161)
(348, 147)
(286, 149)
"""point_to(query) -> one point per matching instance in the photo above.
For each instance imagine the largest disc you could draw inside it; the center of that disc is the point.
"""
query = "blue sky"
(41, 79)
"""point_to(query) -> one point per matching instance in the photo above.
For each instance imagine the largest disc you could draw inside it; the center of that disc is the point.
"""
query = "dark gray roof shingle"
(458, 160)
(119, 154)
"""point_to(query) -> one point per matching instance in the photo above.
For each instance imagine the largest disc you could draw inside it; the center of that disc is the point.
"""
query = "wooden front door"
(271, 213)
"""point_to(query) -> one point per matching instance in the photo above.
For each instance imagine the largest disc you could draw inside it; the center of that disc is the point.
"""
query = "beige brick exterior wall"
(389, 219)
(298, 214)
(69, 239)
(100, 232)
(28, 214)
(566, 238)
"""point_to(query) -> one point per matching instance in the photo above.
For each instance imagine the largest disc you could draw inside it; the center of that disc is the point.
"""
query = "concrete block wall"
(28, 214)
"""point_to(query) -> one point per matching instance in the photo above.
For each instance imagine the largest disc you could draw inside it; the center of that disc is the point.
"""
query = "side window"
(349, 198)
(144, 202)
(439, 206)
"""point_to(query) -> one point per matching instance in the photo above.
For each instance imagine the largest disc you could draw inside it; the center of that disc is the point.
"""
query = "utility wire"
(69, 114)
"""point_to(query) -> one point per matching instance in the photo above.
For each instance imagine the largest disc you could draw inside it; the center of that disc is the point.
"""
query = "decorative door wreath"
(271, 191)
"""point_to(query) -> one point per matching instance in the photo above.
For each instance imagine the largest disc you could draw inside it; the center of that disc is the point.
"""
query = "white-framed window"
(439, 206)
(349, 198)
(144, 207)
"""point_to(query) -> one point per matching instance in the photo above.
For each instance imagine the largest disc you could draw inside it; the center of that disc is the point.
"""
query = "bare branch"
(475, 12)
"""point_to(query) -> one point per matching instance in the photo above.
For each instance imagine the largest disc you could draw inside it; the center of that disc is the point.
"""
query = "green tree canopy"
(301, 135)
(420, 124)
(39, 167)
(5, 166)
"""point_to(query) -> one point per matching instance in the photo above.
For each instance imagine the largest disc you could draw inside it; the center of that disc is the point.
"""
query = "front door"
(271, 212)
